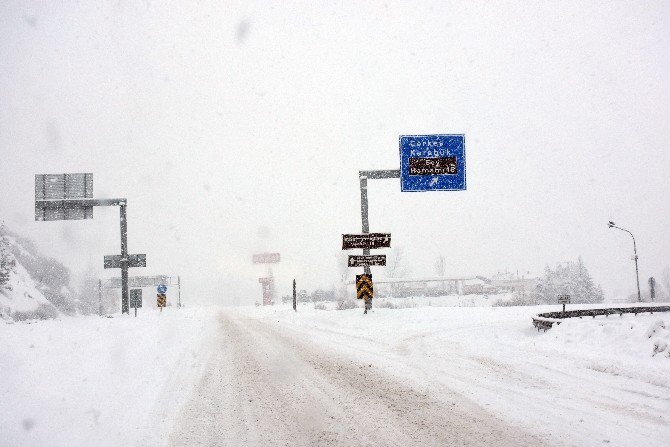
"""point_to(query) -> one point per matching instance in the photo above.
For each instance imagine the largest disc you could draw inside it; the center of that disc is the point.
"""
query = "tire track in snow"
(266, 387)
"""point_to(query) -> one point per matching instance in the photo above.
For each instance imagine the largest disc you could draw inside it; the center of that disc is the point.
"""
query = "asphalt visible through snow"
(266, 387)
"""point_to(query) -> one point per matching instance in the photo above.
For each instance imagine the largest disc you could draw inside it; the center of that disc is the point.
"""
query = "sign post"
(563, 299)
(161, 299)
(427, 163)
(135, 299)
(295, 298)
(70, 197)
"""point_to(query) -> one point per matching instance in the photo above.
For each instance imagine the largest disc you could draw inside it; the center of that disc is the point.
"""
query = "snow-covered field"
(123, 381)
(98, 381)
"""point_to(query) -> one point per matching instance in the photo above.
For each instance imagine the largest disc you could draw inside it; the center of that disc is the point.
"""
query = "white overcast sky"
(238, 127)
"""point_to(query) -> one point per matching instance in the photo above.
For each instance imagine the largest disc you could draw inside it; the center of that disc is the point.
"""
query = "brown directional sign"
(366, 241)
(114, 261)
(364, 288)
(266, 258)
(433, 166)
(366, 260)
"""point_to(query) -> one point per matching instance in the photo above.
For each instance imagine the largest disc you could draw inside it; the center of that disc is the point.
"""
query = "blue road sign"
(432, 162)
(161, 289)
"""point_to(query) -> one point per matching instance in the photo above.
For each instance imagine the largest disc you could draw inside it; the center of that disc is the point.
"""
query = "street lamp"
(611, 224)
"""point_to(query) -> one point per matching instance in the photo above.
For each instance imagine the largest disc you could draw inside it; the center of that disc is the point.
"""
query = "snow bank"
(98, 381)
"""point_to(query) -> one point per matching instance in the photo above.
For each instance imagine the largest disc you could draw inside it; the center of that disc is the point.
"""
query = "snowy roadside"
(585, 382)
(99, 381)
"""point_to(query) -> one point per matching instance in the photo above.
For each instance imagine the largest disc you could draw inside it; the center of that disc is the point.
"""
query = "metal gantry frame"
(122, 204)
(363, 177)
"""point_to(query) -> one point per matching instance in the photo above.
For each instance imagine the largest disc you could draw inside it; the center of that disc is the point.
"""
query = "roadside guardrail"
(546, 320)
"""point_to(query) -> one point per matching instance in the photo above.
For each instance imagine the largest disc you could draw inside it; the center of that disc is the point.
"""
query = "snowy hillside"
(20, 298)
(31, 286)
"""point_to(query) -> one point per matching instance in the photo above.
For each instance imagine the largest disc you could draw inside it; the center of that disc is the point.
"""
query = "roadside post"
(652, 288)
(427, 163)
(295, 298)
(135, 299)
(70, 197)
(366, 241)
(116, 261)
(563, 299)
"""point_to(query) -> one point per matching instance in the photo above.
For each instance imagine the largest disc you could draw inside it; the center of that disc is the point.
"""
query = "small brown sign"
(366, 241)
(433, 166)
(563, 299)
(366, 260)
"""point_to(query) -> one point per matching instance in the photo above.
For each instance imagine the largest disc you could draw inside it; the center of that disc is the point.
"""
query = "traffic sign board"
(135, 298)
(432, 162)
(114, 261)
(364, 288)
(366, 241)
(369, 260)
(266, 258)
(563, 299)
(52, 192)
(161, 300)
(161, 288)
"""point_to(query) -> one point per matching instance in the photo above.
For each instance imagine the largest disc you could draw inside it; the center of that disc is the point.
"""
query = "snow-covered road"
(267, 386)
(271, 376)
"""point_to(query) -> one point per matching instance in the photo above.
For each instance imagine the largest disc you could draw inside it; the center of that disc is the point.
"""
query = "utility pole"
(611, 224)
(124, 260)
(178, 292)
(295, 298)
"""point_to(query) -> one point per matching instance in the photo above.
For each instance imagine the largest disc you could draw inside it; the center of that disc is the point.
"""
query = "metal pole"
(124, 261)
(100, 297)
(363, 177)
(295, 304)
(637, 273)
(365, 227)
(178, 292)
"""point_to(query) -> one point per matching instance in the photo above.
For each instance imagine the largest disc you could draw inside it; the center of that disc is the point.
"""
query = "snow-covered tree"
(569, 278)
(7, 262)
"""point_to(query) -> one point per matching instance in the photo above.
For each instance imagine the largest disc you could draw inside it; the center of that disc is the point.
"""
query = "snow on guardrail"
(546, 320)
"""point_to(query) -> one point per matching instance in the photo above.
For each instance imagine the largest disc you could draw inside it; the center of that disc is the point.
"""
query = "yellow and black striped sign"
(161, 300)
(364, 287)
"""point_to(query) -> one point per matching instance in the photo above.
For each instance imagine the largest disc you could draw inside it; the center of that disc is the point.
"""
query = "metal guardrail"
(546, 320)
